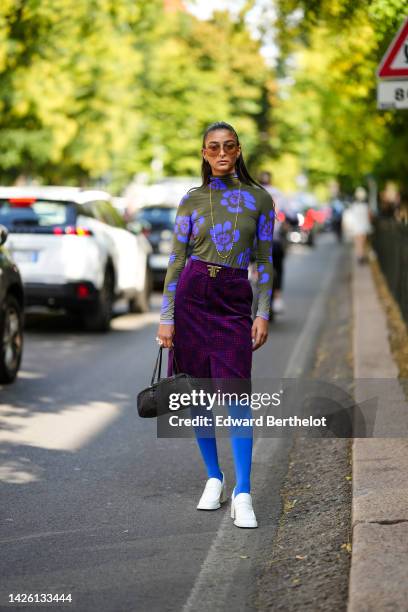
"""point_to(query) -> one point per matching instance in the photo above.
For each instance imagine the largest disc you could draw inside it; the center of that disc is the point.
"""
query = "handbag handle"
(176, 369)
(158, 364)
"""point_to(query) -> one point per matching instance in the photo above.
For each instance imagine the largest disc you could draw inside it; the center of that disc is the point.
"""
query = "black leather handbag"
(154, 400)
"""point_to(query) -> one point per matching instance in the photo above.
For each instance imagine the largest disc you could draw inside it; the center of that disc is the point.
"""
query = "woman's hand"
(165, 333)
(259, 332)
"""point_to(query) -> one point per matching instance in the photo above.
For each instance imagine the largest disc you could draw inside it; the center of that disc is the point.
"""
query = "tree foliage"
(98, 90)
(328, 116)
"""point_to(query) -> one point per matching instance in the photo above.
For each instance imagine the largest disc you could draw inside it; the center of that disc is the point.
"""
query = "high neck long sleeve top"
(208, 233)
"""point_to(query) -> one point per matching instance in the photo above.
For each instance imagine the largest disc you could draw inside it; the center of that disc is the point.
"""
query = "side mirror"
(3, 234)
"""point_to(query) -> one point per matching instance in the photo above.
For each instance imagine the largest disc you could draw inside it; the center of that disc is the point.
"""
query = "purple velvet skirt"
(213, 321)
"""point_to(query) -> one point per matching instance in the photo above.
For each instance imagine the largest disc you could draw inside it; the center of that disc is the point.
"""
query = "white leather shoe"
(242, 511)
(214, 494)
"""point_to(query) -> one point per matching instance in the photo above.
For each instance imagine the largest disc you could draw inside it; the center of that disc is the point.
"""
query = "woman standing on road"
(206, 309)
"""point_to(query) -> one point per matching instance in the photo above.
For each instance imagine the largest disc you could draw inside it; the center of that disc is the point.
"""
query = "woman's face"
(221, 151)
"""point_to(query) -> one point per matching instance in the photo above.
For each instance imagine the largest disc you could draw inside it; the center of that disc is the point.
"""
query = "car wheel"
(11, 333)
(99, 318)
(141, 301)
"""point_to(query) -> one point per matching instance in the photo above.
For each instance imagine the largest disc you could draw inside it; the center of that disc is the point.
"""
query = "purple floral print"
(265, 226)
(222, 236)
(182, 227)
(196, 221)
(263, 276)
(216, 183)
(230, 200)
(243, 258)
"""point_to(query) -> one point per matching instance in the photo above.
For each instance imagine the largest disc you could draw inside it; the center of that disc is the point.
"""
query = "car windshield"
(158, 216)
(22, 213)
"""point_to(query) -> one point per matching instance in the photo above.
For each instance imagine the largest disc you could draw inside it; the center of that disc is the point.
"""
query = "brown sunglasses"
(214, 148)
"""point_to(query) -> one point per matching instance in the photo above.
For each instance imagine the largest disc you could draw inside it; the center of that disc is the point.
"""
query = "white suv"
(74, 251)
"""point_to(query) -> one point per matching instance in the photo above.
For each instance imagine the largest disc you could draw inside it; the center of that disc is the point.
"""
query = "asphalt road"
(94, 504)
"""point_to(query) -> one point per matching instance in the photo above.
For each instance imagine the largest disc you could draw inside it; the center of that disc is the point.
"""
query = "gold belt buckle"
(213, 270)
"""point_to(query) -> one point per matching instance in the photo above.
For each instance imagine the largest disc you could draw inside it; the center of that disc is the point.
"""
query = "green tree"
(96, 91)
(68, 75)
(328, 116)
(201, 72)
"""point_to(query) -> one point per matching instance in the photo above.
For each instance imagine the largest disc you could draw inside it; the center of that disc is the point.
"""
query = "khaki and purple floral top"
(193, 225)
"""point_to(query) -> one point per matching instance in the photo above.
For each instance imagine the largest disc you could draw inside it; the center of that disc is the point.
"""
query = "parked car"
(157, 221)
(75, 252)
(11, 314)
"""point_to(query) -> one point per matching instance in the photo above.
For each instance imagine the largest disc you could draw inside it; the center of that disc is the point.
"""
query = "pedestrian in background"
(359, 220)
(337, 210)
(206, 318)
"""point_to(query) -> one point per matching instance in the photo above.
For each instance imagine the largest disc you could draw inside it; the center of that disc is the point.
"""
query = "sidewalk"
(379, 567)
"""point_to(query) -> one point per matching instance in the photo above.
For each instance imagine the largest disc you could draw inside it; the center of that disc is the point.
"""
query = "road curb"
(379, 565)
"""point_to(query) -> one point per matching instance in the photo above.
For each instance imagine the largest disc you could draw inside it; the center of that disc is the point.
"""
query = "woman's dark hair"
(240, 166)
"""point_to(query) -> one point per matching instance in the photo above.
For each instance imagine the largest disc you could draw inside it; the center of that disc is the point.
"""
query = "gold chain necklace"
(235, 226)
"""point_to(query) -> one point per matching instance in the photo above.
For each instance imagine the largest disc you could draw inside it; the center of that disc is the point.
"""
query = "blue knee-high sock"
(241, 437)
(205, 436)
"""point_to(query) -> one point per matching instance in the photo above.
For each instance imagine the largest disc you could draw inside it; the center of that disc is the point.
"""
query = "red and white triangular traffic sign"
(395, 61)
